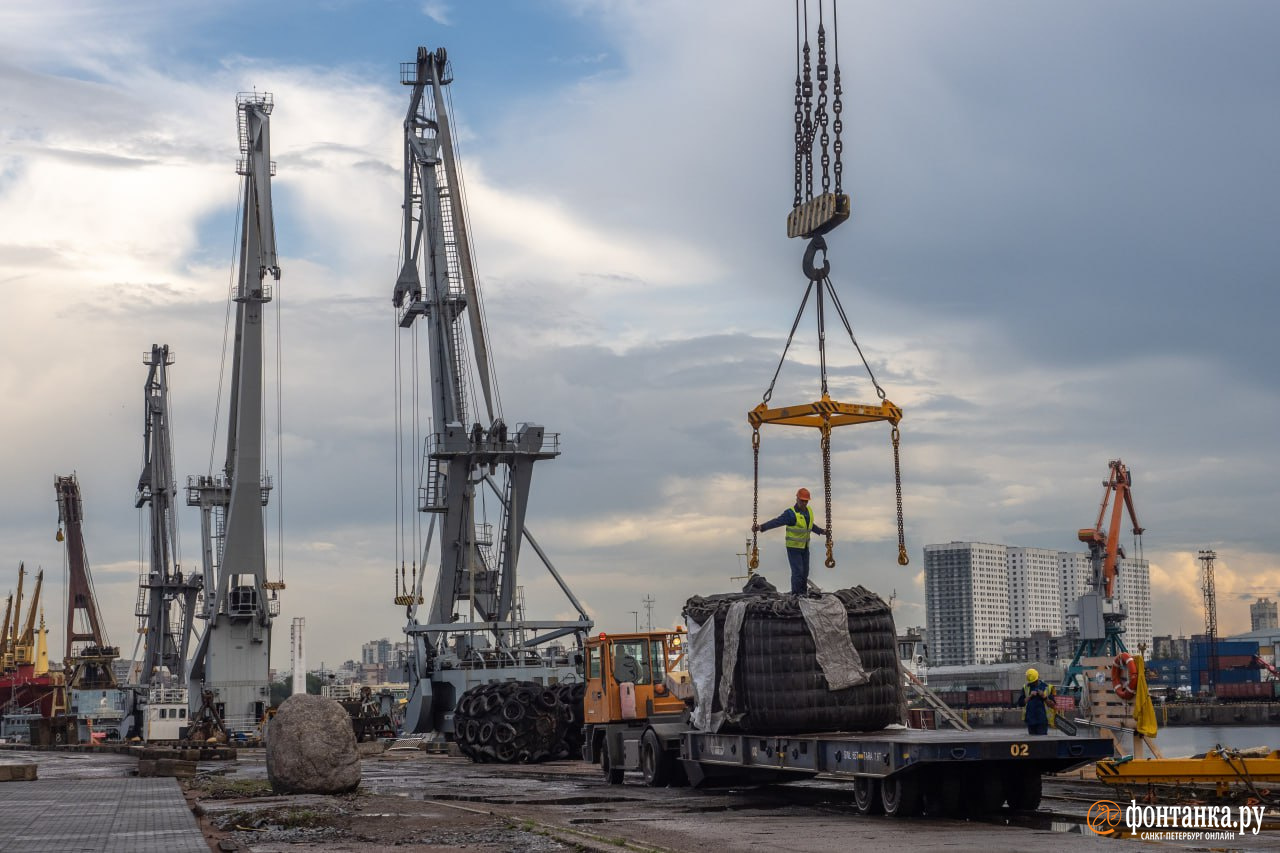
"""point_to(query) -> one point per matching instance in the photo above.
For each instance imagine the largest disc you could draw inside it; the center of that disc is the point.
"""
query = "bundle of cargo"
(516, 722)
(786, 664)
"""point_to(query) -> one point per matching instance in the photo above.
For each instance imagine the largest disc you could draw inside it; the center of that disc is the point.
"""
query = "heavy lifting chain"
(836, 107)
(812, 122)
(903, 559)
(799, 117)
(753, 562)
(830, 562)
(804, 153)
(820, 114)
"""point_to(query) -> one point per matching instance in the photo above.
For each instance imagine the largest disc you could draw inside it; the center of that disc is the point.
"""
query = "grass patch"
(221, 788)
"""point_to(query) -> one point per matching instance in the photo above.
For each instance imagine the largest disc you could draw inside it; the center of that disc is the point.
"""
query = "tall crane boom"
(87, 651)
(233, 658)
(466, 453)
(1104, 544)
(162, 587)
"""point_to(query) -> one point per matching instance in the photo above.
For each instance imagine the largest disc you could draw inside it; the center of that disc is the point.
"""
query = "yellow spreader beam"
(1214, 768)
(825, 412)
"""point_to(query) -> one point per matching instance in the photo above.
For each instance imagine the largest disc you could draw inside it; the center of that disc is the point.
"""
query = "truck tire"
(655, 762)
(1022, 788)
(609, 764)
(900, 796)
(866, 795)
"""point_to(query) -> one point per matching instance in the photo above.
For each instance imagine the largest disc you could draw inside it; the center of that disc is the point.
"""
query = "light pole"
(636, 613)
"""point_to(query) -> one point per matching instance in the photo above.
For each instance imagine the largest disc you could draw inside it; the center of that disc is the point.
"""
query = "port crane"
(167, 597)
(473, 630)
(88, 653)
(819, 150)
(233, 658)
(1102, 615)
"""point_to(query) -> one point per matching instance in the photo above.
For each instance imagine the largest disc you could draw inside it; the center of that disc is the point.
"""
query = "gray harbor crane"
(232, 659)
(474, 630)
(166, 596)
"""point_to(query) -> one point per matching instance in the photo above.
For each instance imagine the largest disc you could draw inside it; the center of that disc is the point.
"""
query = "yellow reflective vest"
(798, 533)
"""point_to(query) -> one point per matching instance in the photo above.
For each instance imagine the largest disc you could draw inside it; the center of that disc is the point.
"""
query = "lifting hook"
(817, 244)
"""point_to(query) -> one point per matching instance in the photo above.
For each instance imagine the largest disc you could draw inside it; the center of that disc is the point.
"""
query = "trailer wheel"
(900, 796)
(1022, 788)
(655, 763)
(612, 773)
(866, 795)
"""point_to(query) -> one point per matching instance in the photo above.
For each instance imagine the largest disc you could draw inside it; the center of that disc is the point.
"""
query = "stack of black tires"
(778, 685)
(520, 722)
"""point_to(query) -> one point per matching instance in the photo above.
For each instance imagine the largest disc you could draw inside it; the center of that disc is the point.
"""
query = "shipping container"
(1244, 691)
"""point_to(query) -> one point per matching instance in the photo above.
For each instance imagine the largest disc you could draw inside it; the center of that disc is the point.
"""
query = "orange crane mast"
(1105, 544)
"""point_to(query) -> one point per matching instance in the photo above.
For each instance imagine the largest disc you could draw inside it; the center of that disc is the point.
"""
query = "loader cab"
(630, 676)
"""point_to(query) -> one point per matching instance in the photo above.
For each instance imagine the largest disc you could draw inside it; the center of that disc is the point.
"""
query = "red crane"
(1104, 545)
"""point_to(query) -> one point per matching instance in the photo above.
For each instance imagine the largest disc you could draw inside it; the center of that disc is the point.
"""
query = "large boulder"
(311, 748)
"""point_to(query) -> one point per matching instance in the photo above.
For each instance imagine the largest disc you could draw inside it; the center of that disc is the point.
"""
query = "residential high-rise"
(977, 595)
(966, 602)
(1035, 592)
(376, 651)
(1133, 587)
(1262, 615)
(1075, 569)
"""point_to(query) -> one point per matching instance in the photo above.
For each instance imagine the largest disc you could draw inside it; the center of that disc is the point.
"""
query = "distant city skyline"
(978, 595)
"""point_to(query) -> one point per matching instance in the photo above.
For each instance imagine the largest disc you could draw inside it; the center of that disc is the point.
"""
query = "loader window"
(593, 662)
(658, 656)
(631, 661)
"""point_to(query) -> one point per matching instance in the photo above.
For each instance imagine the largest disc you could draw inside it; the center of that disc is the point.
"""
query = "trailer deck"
(883, 753)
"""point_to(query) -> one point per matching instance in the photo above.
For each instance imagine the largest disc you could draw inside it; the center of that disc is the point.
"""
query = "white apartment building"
(966, 602)
(978, 593)
(1075, 570)
(1035, 592)
(1133, 587)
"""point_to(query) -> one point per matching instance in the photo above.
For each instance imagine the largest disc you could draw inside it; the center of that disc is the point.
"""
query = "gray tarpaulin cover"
(828, 622)
(702, 668)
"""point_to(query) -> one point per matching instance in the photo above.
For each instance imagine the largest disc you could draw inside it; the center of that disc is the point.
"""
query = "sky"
(1062, 252)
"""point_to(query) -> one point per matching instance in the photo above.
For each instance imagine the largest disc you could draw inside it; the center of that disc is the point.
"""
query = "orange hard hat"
(802, 495)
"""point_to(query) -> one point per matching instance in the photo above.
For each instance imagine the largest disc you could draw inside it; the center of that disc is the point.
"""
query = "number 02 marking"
(1019, 750)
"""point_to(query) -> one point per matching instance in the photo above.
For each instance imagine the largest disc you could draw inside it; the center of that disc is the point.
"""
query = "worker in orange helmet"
(799, 523)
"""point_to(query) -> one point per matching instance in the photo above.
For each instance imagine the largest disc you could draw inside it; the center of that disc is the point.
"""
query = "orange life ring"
(1124, 676)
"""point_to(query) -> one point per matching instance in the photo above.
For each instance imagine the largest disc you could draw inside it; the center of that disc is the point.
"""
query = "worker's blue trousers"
(799, 560)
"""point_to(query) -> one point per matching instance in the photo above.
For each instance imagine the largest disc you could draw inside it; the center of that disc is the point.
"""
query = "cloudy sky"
(1063, 251)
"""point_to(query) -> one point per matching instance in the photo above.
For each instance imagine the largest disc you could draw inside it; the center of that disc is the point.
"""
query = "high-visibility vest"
(1049, 692)
(798, 533)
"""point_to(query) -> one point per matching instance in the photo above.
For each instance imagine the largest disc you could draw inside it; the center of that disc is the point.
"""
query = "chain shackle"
(753, 562)
(903, 559)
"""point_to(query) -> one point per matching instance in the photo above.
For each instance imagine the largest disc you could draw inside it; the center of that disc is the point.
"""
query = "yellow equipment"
(1221, 766)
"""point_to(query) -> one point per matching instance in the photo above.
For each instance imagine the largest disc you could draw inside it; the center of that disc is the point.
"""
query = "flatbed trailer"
(639, 723)
(900, 772)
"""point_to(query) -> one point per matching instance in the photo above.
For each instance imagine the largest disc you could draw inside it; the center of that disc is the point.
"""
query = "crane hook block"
(817, 244)
(818, 215)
